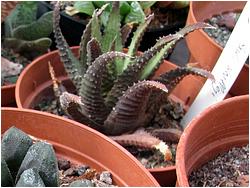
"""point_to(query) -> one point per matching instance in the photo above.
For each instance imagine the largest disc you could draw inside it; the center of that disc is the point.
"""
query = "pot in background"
(204, 49)
(216, 130)
(80, 144)
(8, 96)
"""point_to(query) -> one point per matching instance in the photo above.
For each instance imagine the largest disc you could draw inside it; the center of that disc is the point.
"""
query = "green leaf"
(85, 7)
(136, 14)
(124, 8)
(147, 4)
(24, 13)
(37, 29)
(154, 62)
(99, 4)
(104, 18)
(138, 34)
(112, 30)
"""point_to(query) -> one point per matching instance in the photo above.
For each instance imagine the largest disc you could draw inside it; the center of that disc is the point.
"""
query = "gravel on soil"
(224, 25)
(230, 169)
(70, 173)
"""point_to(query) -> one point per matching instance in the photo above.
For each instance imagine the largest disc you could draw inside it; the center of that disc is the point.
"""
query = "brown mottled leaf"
(173, 77)
(143, 139)
(130, 111)
(91, 86)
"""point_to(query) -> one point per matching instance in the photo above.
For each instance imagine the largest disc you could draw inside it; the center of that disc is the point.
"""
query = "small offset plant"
(27, 164)
(113, 93)
(26, 34)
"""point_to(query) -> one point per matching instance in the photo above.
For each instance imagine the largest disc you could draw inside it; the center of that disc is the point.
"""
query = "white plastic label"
(226, 69)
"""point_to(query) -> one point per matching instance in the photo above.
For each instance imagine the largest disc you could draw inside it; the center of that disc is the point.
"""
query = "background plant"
(25, 33)
(130, 11)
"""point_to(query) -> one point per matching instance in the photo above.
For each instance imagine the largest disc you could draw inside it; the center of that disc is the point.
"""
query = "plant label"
(226, 70)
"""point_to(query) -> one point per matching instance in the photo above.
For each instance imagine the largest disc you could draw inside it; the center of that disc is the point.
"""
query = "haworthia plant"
(25, 164)
(25, 33)
(114, 97)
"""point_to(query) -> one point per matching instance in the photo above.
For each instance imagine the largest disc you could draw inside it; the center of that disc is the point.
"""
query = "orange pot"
(80, 144)
(8, 96)
(216, 130)
(35, 82)
(204, 49)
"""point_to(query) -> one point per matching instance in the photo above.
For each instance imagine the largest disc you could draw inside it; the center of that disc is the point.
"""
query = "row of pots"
(34, 82)
(208, 135)
(28, 90)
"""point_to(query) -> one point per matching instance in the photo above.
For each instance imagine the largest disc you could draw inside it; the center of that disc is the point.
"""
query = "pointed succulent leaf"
(37, 29)
(173, 77)
(90, 30)
(133, 71)
(193, 27)
(138, 34)
(73, 107)
(6, 178)
(30, 178)
(125, 31)
(41, 157)
(96, 28)
(93, 51)
(143, 139)
(15, 144)
(90, 91)
(58, 87)
(112, 29)
(156, 61)
(109, 78)
(130, 111)
(71, 63)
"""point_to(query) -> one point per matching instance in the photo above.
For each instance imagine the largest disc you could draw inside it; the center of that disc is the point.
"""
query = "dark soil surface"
(169, 116)
(70, 172)
(49, 104)
(230, 169)
(224, 24)
(153, 158)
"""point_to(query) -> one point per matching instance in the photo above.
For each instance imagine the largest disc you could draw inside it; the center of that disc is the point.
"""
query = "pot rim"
(191, 9)
(180, 163)
(8, 86)
(27, 69)
(88, 129)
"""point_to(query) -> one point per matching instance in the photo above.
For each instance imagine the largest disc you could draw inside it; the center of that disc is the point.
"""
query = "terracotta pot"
(80, 144)
(35, 82)
(204, 49)
(8, 96)
(216, 130)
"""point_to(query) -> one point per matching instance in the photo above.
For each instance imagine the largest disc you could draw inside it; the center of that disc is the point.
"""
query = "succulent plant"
(27, 164)
(25, 33)
(113, 95)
